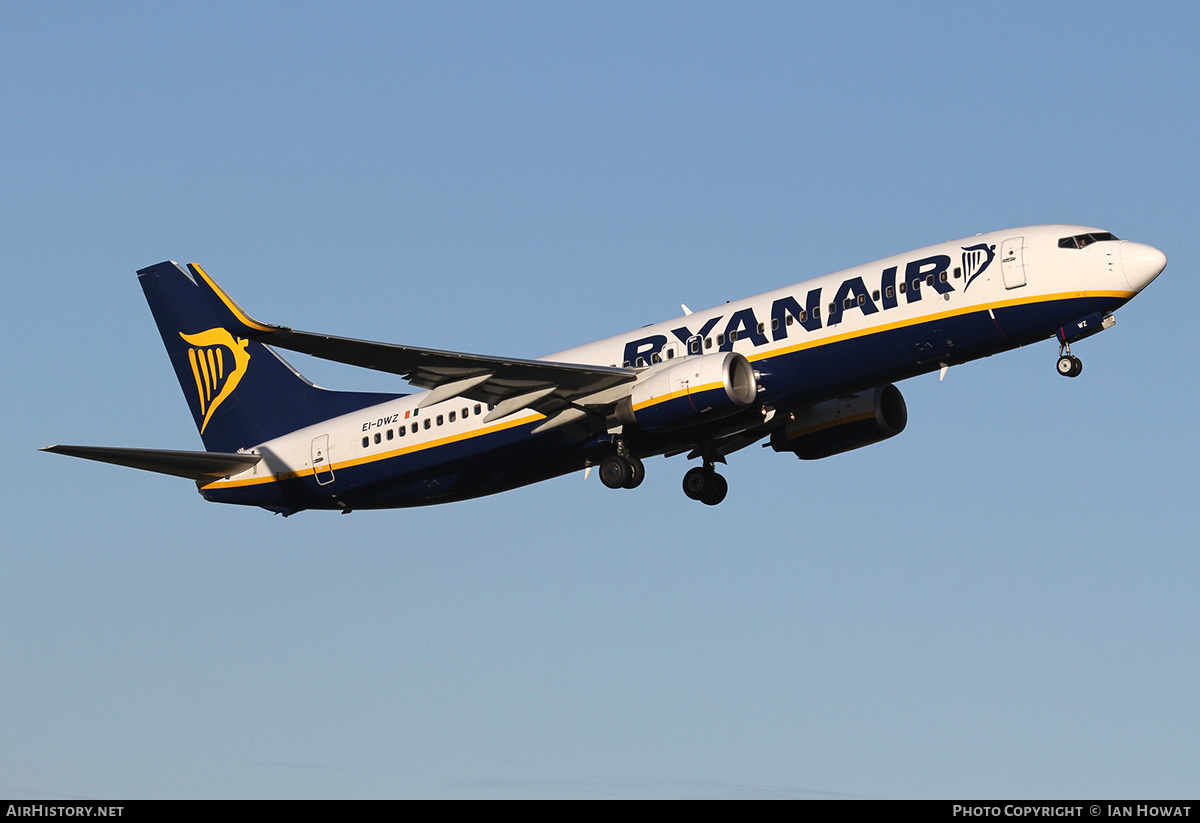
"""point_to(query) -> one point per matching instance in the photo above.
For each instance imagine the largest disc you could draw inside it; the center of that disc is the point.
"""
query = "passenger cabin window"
(366, 442)
(377, 438)
(451, 417)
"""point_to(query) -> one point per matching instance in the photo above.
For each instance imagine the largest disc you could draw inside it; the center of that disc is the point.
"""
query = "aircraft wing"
(492, 379)
(509, 384)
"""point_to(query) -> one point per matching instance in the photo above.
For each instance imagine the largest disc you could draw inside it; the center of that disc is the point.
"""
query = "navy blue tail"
(241, 392)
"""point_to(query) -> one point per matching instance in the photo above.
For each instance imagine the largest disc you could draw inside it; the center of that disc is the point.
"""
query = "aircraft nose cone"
(1142, 263)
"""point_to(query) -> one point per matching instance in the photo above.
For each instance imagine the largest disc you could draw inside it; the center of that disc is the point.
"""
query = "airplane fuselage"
(808, 343)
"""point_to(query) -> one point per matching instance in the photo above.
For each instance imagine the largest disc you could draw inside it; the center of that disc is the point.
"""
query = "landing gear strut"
(1068, 364)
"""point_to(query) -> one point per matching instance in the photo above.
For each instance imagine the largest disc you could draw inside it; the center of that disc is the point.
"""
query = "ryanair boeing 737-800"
(808, 368)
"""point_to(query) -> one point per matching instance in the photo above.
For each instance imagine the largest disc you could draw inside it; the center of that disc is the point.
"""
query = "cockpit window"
(1080, 241)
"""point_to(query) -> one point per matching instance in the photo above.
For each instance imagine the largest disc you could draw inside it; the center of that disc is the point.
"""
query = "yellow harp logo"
(218, 361)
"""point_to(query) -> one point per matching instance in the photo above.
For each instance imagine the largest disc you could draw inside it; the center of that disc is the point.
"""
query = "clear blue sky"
(1001, 602)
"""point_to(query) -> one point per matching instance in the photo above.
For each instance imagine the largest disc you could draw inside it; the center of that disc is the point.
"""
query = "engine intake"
(844, 424)
(692, 390)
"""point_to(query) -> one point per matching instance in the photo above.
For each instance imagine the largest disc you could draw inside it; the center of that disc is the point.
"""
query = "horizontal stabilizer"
(192, 465)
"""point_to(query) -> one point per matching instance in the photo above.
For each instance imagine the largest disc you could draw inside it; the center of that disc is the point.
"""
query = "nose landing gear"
(1068, 364)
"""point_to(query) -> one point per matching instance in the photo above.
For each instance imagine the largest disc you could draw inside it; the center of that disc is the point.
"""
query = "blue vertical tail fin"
(241, 392)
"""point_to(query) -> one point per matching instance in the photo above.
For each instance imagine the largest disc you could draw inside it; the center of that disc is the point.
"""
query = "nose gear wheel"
(1068, 364)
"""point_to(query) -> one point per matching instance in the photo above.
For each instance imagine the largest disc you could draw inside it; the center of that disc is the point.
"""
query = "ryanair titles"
(852, 295)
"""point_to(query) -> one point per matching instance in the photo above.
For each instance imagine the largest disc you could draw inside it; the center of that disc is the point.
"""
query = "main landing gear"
(704, 484)
(1068, 364)
(622, 471)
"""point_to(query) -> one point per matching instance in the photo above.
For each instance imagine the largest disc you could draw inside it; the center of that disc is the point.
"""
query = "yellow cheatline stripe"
(933, 318)
(680, 393)
(373, 458)
(229, 304)
(898, 324)
(528, 418)
(828, 424)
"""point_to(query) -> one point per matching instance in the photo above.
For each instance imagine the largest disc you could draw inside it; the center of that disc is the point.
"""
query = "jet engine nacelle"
(841, 425)
(692, 390)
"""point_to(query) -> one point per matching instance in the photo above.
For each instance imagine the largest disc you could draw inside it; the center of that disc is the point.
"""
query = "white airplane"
(809, 368)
